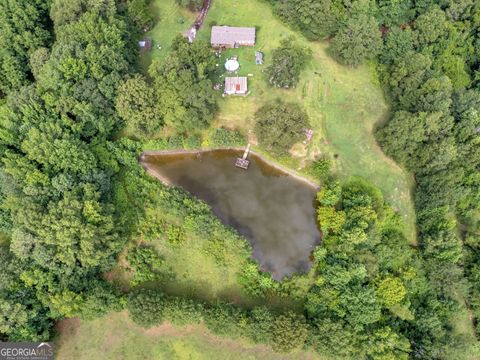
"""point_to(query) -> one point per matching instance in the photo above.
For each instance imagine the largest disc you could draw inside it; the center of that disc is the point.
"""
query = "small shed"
(145, 44)
(258, 58)
(236, 85)
(232, 37)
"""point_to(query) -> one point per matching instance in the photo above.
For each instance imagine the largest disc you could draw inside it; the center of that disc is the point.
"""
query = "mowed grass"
(343, 104)
(116, 337)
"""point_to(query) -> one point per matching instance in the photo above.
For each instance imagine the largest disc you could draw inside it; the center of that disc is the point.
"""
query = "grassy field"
(118, 338)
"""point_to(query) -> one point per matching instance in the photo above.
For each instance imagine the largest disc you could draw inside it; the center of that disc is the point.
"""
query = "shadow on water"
(271, 208)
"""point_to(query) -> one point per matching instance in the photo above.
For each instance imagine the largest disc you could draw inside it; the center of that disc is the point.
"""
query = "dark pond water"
(272, 209)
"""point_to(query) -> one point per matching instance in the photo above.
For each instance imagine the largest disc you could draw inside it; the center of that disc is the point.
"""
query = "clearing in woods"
(344, 103)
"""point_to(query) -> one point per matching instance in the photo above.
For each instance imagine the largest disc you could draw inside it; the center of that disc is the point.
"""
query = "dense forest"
(73, 195)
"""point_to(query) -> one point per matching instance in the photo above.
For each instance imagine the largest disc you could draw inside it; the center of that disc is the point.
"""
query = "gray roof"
(231, 35)
(234, 85)
(258, 55)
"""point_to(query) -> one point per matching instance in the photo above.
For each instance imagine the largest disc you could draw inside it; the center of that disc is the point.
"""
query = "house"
(145, 44)
(258, 58)
(232, 37)
(236, 85)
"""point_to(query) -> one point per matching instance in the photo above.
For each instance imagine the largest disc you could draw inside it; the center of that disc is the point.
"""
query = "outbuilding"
(232, 37)
(145, 44)
(236, 85)
(258, 58)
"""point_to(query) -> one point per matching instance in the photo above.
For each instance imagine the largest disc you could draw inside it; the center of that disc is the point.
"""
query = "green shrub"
(145, 263)
(320, 168)
(255, 282)
(226, 320)
(260, 322)
(145, 307)
(175, 234)
(180, 311)
(192, 142)
(223, 137)
(289, 332)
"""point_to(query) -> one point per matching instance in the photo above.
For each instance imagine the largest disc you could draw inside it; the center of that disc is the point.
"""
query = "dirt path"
(192, 32)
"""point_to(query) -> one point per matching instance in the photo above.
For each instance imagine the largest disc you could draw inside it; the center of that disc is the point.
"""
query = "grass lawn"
(116, 337)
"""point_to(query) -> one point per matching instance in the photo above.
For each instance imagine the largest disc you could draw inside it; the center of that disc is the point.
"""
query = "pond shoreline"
(164, 180)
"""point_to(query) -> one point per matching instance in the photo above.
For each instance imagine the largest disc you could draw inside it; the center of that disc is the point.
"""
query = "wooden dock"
(242, 162)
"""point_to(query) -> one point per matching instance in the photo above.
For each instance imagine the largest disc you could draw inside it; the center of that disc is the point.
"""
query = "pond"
(271, 208)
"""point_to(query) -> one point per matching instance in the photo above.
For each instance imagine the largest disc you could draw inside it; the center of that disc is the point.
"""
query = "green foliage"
(145, 307)
(255, 282)
(145, 264)
(331, 221)
(226, 320)
(137, 105)
(223, 137)
(289, 332)
(320, 168)
(186, 96)
(279, 125)
(317, 19)
(24, 28)
(430, 25)
(58, 171)
(259, 328)
(139, 13)
(391, 291)
(288, 61)
(175, 234)
(329, 194)
(357, 40)
(180, 311)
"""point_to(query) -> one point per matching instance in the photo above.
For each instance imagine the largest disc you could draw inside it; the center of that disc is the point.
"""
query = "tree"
(330, 220)
(289, 332)
(391, 291)
(137, 104)
(186, 96)
(397, 43)
(357, 40)
(288, 61)
(316, 18)
(430, 26)
(395, 12)
(23, 29)
(279, 125)
(140, 14)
